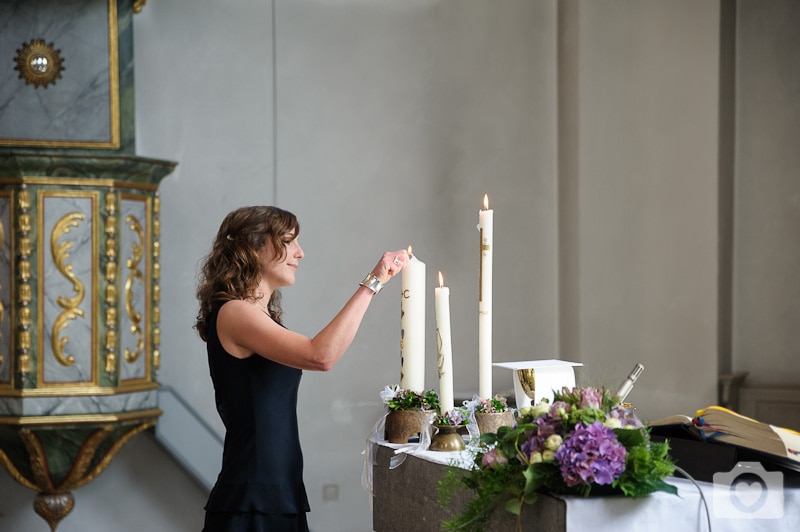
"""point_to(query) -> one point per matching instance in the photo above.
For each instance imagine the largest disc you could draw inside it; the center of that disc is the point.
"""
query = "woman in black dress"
(256, 364)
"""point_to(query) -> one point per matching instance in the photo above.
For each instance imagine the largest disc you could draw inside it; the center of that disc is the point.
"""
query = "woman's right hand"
(390, 264)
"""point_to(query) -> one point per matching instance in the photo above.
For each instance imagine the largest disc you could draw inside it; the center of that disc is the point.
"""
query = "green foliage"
(495, 404)
(645, 468)
(515, 464)
(410, 400)
(493, 487)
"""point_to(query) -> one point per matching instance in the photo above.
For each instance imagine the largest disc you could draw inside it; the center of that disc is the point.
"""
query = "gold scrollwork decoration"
(135, 275)
(71, 311)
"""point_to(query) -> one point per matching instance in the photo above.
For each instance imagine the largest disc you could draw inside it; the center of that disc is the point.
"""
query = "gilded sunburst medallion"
(38, 63)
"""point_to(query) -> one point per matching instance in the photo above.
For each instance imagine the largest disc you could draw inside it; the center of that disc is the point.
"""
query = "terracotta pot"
(402, 424)
(491, 421)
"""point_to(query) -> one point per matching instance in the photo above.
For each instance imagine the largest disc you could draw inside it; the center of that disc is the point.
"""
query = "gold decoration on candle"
(483, 247)
(156, 358)
(135, 275)
(60, 253)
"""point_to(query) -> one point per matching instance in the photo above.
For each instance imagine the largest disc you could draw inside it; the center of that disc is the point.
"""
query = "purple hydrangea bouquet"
(584, 443)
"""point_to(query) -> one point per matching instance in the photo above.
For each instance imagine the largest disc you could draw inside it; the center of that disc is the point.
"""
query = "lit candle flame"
(486, 202)
(410, 254)
(441, 280)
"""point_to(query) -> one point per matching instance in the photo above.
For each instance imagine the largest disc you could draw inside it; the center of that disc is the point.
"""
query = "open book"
(717, 424)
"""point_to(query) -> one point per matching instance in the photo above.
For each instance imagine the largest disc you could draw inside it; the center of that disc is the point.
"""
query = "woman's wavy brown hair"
(232, 270)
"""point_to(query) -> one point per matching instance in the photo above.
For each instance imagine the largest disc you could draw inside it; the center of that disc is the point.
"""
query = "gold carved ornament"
(24, 293)
(38, 63)
(60, 254)
(79, 474)
(134, 275)
(111, 279)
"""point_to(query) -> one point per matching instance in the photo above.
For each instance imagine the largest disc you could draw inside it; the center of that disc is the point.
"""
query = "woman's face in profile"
(280, 271)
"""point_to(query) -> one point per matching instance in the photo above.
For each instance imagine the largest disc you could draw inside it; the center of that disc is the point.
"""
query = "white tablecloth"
(659, 511)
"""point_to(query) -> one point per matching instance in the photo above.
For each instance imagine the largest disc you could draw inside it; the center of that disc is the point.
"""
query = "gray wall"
(592, 125)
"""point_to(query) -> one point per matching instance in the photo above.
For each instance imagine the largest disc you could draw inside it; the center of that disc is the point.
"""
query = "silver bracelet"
(372, 282)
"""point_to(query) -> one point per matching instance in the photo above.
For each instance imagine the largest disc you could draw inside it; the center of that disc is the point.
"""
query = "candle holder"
(447, 439)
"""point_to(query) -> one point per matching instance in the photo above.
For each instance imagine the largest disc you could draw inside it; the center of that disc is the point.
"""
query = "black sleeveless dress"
(261, 481)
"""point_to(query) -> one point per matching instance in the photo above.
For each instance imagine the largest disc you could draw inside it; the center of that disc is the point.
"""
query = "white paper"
(549, 375)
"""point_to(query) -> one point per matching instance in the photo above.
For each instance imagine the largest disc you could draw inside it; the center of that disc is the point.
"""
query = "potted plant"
(407, 412)
(493, 413)
(447, 424)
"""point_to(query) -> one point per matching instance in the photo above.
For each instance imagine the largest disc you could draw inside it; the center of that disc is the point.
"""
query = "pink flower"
(494, 458)
(591, 398)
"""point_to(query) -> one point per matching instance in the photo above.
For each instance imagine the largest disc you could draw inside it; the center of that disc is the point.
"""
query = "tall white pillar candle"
(441, 298)
(412, 326)
(486, 228)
